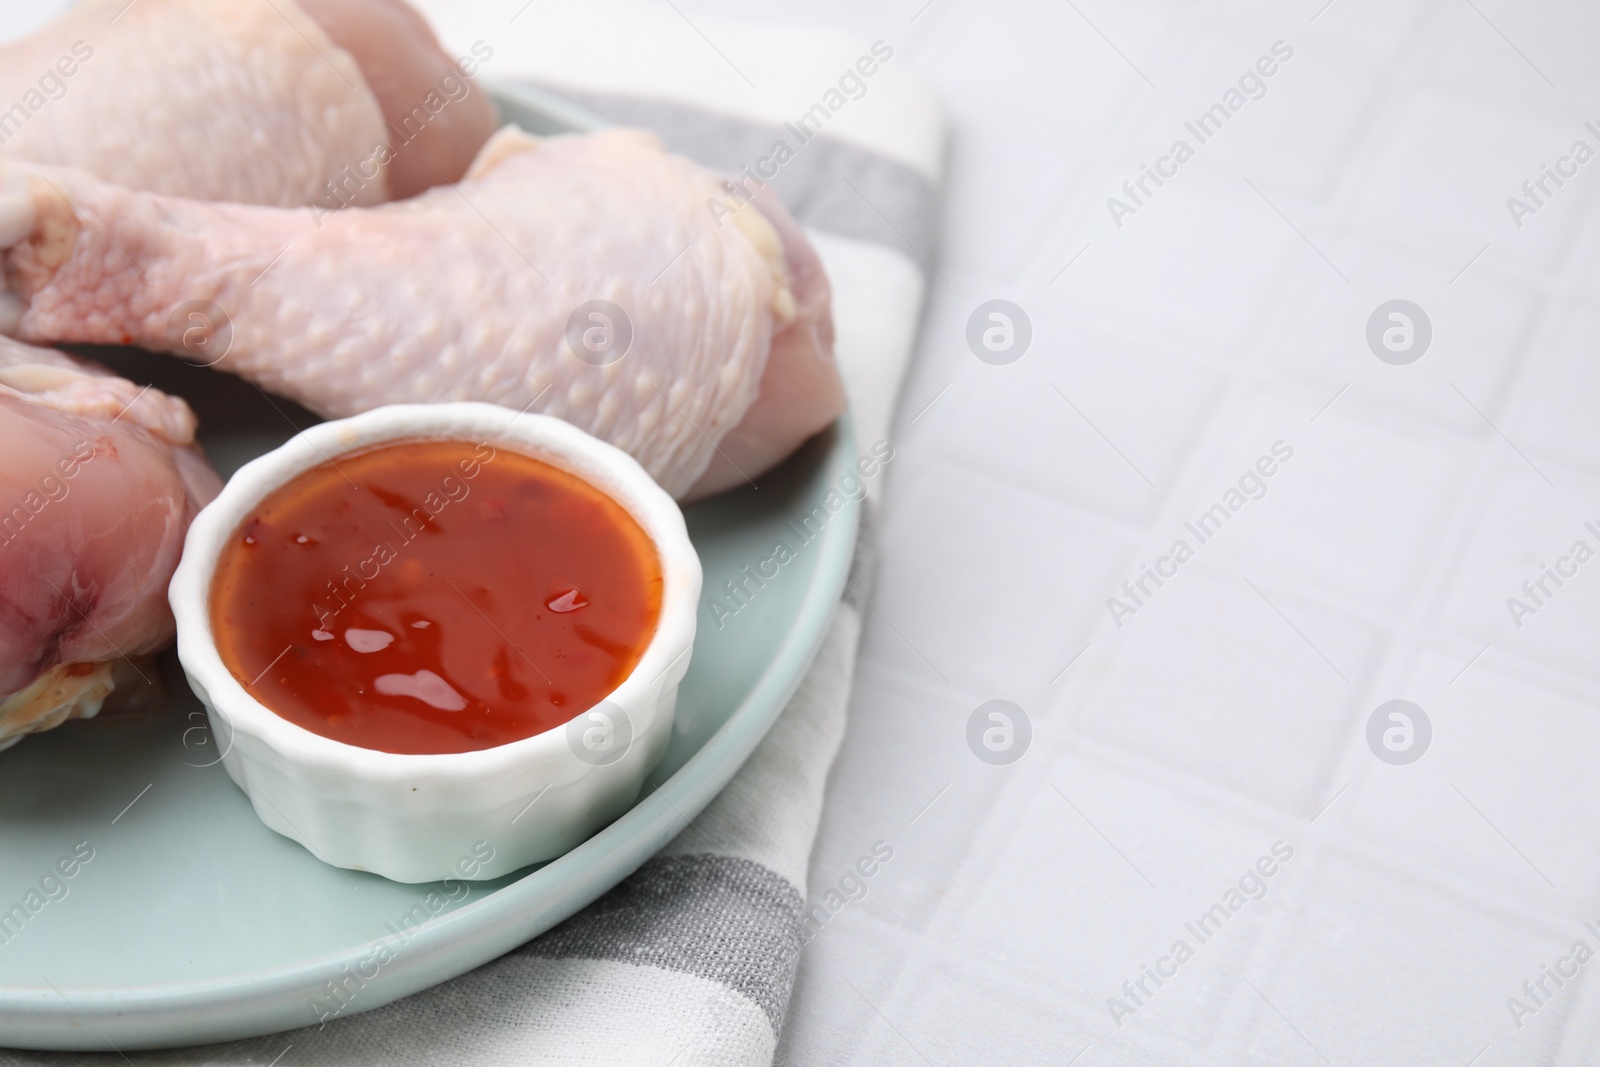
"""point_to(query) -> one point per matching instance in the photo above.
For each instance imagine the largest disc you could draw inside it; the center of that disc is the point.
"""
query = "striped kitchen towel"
(691, 960)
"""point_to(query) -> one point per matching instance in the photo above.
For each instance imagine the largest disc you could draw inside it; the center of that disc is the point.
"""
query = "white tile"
(1208, 678)
(1086, 417)
(1354, 511)
(1196, 264)
(1449, 166)
(1582, 1029)
(1382, 970)
(1519, 46)
(1316, 108)
(1558, 417)
(1024, 1023)
(1374, 28)
(1502, 798)
(1500, 593)
(913, 784)
(1194, 337)
(1024, 133)
(998, 241)
(984, 585)
(1127, 861)
(1480, 331)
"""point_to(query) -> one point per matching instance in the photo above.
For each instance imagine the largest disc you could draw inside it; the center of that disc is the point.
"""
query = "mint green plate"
(193, 922)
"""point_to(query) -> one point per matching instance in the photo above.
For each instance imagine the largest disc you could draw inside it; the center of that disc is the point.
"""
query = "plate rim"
(256, 1003)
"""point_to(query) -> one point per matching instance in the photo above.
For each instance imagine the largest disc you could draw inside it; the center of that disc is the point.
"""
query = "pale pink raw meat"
(437, 119)
(98, 482)
(465, 293)
(801, 391)
(254, 101)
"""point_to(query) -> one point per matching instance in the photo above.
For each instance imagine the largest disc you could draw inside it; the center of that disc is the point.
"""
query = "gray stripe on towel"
(723, 918)
(890, 204)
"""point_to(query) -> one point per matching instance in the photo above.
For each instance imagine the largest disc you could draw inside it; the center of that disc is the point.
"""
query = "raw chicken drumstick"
(98, 482)
(483, 291)
(254, 101)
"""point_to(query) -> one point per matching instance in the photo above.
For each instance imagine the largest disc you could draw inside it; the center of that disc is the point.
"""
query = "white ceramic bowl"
(422, 818)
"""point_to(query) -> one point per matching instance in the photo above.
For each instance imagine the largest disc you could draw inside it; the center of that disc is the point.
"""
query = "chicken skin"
(98, 482)
(252, 101)
(157, 163)
(587, 277)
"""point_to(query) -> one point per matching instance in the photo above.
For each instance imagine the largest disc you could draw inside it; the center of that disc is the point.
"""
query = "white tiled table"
(1231, 712)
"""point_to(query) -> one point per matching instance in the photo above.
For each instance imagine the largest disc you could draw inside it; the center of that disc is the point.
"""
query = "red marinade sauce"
(435, 596)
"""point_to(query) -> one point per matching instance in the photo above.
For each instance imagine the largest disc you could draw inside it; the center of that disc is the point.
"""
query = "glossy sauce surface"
(435, 596)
